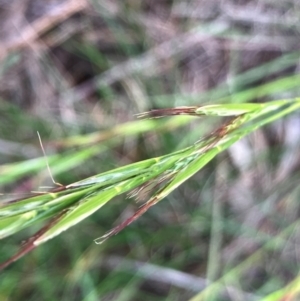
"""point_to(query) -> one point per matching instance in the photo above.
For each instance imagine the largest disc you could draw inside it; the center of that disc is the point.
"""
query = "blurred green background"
(78, 71)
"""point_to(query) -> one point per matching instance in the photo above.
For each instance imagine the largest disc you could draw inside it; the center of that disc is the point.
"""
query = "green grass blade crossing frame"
(66, 206)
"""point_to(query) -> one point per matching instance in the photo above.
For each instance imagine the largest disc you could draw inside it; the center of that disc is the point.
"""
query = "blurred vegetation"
(78, 71)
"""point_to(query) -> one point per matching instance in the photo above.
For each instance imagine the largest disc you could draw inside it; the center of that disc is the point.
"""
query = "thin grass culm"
(65, 206)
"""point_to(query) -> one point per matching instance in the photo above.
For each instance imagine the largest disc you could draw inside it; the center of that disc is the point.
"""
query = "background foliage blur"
(78, 71)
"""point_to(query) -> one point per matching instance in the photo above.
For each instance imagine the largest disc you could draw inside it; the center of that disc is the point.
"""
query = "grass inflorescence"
(67, 205)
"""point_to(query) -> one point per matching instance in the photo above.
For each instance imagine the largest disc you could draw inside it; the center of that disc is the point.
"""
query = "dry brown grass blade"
(30, 245)
(127, 222)
(33, 31)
